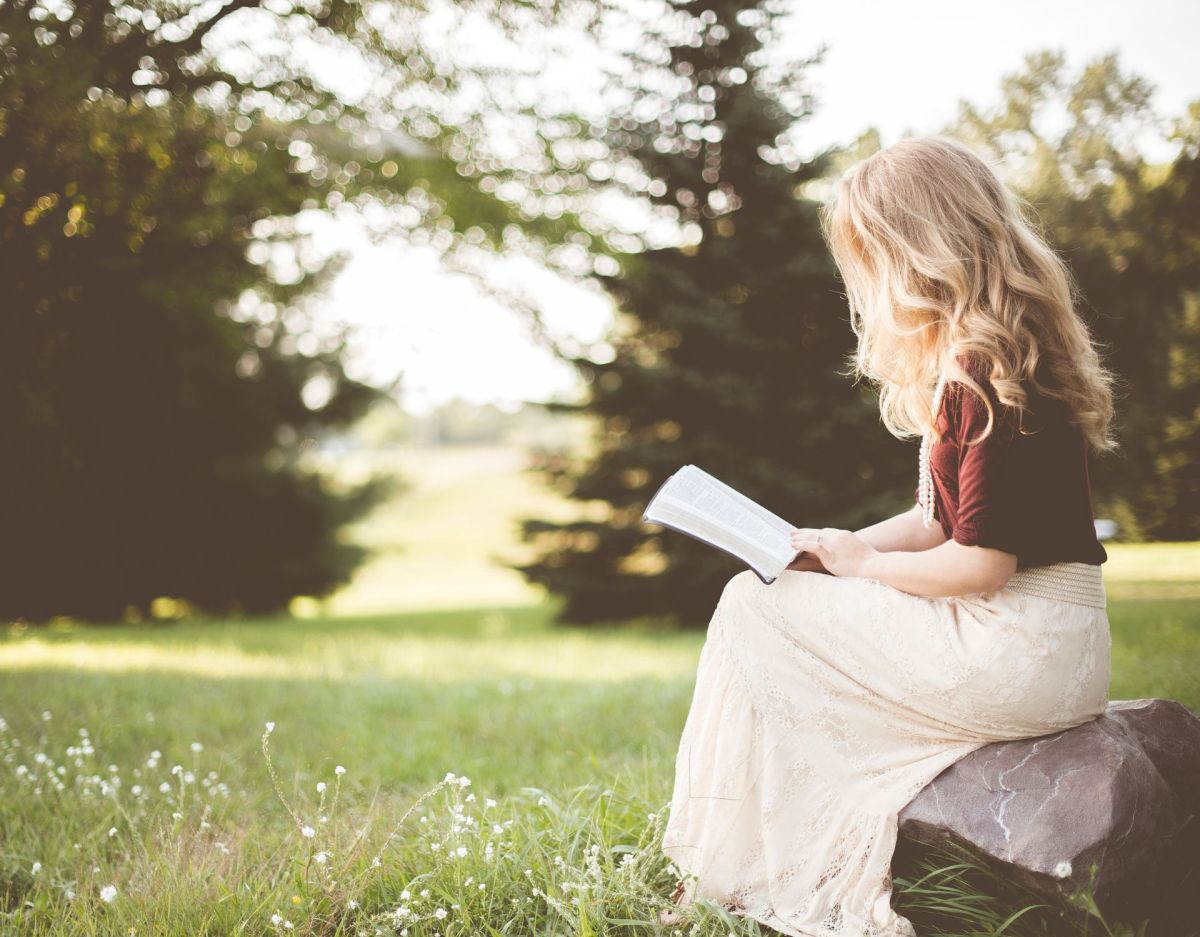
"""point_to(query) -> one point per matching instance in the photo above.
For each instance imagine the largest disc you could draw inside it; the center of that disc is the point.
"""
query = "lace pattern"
(823, 705)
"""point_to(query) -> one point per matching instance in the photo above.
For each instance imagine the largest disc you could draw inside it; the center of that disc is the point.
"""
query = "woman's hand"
(840, 552)
(807, 563)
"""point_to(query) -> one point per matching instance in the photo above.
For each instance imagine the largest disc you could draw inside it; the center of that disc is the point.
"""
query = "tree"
(162, 379)
(732, 348)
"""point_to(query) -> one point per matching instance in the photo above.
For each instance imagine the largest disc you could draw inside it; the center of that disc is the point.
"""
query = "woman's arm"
(904, 531)
(951, 568)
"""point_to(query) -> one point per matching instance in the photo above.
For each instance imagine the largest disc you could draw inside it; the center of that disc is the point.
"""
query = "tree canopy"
(162, 374)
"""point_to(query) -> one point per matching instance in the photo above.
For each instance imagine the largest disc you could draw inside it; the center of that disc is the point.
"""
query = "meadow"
(455, 765)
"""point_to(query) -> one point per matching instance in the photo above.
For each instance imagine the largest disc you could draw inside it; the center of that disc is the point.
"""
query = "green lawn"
(567, 737)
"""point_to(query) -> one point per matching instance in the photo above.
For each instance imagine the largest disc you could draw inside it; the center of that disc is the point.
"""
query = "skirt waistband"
(1080, 583)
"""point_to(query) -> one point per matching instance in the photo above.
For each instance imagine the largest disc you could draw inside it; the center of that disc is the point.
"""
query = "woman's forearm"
(903, 532)
(949, 569)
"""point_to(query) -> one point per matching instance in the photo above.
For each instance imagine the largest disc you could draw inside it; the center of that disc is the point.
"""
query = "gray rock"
(1121, 792)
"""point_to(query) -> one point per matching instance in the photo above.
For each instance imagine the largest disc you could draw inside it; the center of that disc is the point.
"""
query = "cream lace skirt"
(823, 705)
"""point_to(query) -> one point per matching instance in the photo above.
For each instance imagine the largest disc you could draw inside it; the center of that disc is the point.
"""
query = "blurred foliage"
(1131, 232)
(459, 422)
(162, 378)
(730, 350)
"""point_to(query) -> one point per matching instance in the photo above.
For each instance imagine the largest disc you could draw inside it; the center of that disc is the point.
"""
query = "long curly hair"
(943, 264)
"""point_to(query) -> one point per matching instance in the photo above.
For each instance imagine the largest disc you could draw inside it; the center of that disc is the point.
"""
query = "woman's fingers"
(821, 541)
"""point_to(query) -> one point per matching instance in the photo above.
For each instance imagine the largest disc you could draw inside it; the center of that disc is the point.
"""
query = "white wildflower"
(276, 919)
(35, 868)
(307, 832)
(439, 913)
(1062, 869)
(339, 771)
(196, 747)
(270, 727)
(320, 787)
(108, 893)
(322, 858)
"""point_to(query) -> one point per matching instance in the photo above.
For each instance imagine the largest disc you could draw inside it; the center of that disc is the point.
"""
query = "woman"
(827, 700)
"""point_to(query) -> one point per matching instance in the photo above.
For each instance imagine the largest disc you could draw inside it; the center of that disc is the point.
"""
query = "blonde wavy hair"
(940, 260)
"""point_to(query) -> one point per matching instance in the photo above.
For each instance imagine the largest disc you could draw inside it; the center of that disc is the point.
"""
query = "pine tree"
(732, 351)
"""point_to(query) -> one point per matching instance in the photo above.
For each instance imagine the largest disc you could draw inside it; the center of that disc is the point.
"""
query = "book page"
(700, 505)
(714, 503)
(767, 520)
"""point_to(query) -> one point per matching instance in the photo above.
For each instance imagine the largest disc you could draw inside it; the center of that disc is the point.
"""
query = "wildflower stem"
(275, 781)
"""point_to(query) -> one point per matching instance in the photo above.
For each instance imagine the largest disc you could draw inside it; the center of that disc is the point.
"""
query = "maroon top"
(1023, 493)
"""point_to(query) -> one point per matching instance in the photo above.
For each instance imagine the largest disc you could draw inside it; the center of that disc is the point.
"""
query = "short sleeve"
(988, 476)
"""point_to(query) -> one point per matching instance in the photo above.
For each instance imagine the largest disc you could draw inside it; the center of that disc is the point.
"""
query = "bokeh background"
(344, 343)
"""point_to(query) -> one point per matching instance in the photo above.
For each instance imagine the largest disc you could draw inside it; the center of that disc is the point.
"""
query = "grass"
(445, 543)
(136, 756)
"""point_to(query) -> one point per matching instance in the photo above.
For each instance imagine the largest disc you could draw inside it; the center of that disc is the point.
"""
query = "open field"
(131, 755)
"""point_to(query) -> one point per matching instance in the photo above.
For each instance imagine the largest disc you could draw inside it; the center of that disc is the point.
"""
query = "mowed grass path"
(163, 818)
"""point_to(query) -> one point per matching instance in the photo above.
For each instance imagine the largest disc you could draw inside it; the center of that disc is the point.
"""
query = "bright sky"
(900, 67)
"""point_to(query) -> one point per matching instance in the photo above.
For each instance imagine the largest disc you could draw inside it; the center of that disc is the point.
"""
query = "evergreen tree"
(732, 350)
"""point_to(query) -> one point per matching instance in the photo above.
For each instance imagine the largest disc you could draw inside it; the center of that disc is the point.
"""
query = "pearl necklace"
(924, 475)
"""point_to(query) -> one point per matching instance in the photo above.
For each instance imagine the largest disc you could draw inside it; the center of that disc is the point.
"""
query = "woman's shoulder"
(974, 365)
(968, 409)
(963, 402)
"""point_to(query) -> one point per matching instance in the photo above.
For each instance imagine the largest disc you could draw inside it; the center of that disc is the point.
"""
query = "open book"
(695, 503)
